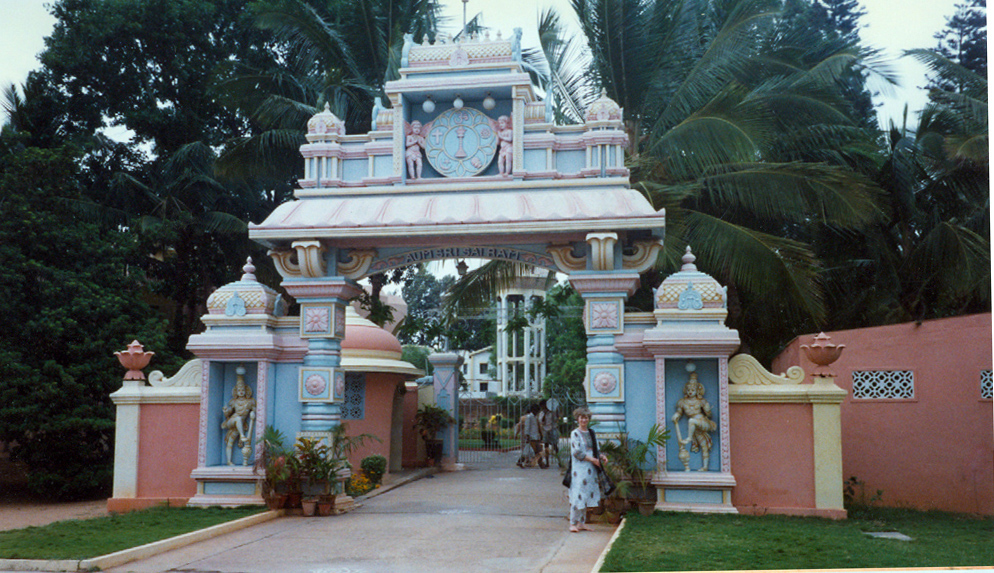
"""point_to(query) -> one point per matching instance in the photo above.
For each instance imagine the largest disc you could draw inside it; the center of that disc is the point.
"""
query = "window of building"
(986, 390)
(484, 386)
(354, 404)
(483, 368)
(883, 385)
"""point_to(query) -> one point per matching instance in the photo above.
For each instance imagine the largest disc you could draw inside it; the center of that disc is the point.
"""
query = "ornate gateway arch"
(466, 163)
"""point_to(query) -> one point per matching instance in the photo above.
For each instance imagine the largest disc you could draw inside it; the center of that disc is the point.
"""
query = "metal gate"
(487, 432)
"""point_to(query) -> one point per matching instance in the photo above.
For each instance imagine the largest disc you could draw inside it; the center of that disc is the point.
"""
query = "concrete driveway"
(501, 518)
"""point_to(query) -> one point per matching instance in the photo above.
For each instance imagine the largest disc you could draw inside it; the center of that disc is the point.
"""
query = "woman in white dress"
(584, 490)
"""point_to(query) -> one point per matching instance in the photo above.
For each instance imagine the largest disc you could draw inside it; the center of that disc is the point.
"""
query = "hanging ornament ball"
(489, 103)
(457, 103)
(691, 367)
(428, 106)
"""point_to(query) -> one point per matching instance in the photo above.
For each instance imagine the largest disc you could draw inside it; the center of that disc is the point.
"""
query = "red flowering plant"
(279, 465)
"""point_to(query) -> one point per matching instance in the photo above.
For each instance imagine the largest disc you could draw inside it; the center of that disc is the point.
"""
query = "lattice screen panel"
(986, 390)
(354, 405)
(883, 384)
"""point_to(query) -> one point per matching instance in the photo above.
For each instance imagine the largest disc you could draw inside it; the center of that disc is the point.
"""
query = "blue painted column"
(321, 381)
(605, 287)
(446, 382)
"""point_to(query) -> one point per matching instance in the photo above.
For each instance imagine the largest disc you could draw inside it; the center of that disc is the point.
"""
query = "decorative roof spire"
(688, 261)
(249, 271)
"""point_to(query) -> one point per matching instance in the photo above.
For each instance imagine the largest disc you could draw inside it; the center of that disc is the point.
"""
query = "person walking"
(547, 421)
(584, 490)
(531, 433)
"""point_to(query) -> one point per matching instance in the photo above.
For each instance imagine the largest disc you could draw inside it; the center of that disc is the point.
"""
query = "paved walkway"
(481, 520)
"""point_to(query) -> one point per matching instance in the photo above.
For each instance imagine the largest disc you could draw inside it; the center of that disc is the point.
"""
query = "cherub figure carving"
(415, 142)
(239, 415)
(505, 136)
(699, 423)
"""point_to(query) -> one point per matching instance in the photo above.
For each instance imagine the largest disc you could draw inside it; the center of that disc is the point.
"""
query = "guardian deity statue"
(239, 417)
(697, 410)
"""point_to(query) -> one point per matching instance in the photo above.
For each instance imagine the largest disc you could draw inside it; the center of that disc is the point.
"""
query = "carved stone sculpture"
(697, 410)
(239, 417)
(505, 136)
(415, 142)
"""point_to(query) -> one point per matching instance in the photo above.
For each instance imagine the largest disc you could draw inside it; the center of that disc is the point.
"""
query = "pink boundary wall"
(377, 420)
(167, 453)
(773, 474)
(935, 451)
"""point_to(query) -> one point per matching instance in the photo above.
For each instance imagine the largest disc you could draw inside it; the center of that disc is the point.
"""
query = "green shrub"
(374, 467)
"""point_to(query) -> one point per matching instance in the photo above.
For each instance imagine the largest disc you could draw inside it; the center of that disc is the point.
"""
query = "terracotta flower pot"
(276, 501)
(647, 507)
(309, 507)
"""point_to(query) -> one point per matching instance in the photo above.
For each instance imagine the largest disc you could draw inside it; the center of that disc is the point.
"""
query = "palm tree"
(931, 257)
(335, 52)
(738, 127)
(193, 224)
(339, 52)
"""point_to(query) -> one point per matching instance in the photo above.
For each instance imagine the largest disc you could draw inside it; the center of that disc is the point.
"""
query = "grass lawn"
(87, 538)
(690, 542)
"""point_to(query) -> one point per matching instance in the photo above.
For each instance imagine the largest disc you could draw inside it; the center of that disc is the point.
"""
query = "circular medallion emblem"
(605, 382)
(315, 384)
(461, 142)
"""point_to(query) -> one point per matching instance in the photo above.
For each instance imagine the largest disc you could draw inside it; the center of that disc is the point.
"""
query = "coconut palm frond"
(952, 259)
(758, 263)
(967, 80)
(310, 36)
(799, 192)
(560, 59)
(224, 223)
(479, 287)
(726, 56)
(257, 155)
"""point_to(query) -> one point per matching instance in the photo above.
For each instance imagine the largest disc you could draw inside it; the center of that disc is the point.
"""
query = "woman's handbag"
(607, 486)
(568, 478)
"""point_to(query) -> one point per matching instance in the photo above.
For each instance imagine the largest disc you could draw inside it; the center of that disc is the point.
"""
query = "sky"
(891, 25)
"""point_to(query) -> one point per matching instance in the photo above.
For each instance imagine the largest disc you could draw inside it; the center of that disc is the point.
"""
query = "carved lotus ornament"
(134, 359)
(823, 353)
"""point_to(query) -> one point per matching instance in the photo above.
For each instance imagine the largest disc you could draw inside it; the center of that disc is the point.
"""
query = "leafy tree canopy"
(962, 41)
(70, 300)
(149, 65)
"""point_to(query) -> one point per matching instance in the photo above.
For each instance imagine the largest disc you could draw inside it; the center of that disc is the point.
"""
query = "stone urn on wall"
(134, 359)
(823, 353)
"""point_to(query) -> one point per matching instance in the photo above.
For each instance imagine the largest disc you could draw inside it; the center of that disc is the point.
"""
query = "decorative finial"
(688, 261)
(327, 107)
(134, 359)
(248, 270)
(823, 353)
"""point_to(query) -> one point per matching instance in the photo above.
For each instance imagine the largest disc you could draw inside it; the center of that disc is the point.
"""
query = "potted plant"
(320, 471)
(428, 421)
(635, 461)
(278, 465)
